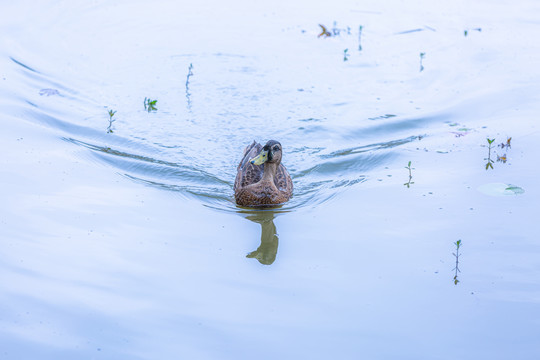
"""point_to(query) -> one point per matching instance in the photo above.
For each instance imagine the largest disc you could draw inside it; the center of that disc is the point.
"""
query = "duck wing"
(247, 173)
(283, 180)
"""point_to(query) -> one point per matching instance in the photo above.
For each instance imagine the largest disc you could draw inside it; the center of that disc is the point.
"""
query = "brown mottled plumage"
(265, 184)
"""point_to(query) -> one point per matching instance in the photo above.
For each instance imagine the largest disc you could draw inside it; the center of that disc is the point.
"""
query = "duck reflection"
(267, 251)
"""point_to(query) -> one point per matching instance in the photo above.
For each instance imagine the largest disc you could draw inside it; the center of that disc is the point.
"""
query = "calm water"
(128, 244)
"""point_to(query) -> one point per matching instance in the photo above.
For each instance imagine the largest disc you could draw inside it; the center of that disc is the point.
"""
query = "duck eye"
(276, 148)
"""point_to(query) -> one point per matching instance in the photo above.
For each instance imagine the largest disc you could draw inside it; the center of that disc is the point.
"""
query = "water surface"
(128, 244)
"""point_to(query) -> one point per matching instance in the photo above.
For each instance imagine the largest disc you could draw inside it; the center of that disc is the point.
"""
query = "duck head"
(270, 153)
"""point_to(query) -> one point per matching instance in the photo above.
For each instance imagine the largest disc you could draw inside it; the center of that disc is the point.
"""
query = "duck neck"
(269, 171)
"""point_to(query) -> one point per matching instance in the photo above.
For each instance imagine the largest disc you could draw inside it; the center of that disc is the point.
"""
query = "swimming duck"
(261, 179)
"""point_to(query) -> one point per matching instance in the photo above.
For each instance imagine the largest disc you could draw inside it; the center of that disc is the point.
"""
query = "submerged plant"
(456, 254)
(490, 161)
(346, 55)
(409, 183)
(111, 120)
(190, 74)
(422, 54)
(188, 94)
(149, 104)
(360, 38)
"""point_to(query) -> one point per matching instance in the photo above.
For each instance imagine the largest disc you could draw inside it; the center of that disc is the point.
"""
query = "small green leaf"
(500, 189)
(514, 189)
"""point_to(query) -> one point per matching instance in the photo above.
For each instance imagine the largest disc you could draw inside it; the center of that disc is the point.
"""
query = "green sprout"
(346, 55)
(111, 120)
(409, 183)
(149, 104)
(490, 161)
(456, 254)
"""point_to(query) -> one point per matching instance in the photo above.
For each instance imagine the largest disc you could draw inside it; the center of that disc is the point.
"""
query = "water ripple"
(198, 158)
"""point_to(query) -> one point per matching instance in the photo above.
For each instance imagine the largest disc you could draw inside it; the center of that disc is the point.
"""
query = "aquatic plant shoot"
(111, 120)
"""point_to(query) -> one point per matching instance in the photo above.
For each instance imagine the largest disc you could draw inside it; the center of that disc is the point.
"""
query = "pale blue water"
(128, 245)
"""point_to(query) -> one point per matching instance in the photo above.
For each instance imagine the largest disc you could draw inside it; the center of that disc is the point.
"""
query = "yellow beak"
(260, 159)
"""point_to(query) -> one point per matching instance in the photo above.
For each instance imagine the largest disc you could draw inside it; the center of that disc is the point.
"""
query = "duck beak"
(260, 159)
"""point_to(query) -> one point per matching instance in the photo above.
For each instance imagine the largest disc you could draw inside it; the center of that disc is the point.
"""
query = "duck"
(261, 179)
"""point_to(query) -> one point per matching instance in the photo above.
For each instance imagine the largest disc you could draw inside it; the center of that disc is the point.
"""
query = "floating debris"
(513, 189)
(507, 144)
(385, 116)
(335, 31)
(466, 32)
(324, 31)
(48, 92)
(409, 31)
(500, 189)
